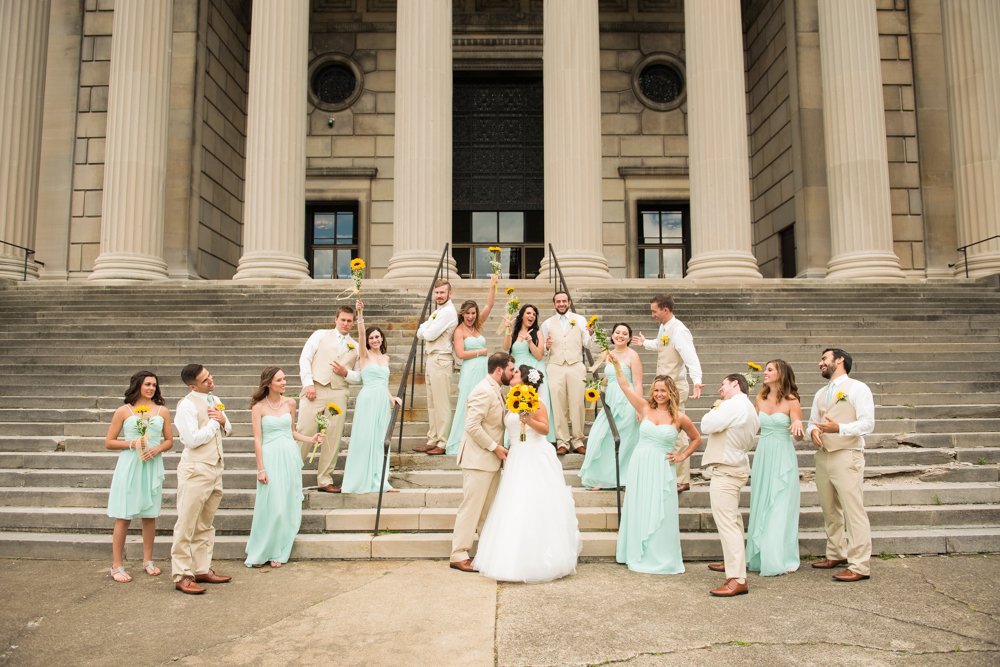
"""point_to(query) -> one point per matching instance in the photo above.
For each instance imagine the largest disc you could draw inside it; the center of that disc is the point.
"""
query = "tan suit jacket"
(484, 413)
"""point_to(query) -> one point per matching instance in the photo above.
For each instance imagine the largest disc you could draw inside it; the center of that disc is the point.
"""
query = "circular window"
(658, 80)
(335, 82)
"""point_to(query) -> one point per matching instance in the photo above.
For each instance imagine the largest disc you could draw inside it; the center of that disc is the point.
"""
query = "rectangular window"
(664, 239)
(331, 239)
(519, 234)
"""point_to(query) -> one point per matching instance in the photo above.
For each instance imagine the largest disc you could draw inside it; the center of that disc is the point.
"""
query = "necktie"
(829, 394)
(340, 341)
(563, 320)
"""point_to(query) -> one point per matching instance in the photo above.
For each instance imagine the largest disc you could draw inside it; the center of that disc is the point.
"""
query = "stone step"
(596, 545)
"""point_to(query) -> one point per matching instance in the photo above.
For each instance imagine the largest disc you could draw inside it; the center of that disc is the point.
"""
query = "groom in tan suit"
(479, 456)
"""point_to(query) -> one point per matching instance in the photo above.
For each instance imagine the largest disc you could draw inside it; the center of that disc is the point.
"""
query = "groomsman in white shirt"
(730, 426)
(323, 354)
(436, 332)
(675, 357)
(842, 414)
(565, 335)
(201, 422)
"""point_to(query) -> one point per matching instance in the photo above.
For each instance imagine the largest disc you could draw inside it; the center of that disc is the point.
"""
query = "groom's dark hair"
(498, 360)
(840, 354)
(190, 373)
(741, 380)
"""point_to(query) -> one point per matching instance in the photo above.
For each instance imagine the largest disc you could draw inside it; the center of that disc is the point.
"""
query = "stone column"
(24, 32)
(857, 162)
(972, 63)
(135, 165)
(421, 209)
(571, 78)
(717, 136)
(275, 208)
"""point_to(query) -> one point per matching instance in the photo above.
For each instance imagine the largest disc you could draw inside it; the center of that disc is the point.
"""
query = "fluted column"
(721, 238)
(135, 163)
(571, 79)
(972, 63)
(421, 209)
(24, 32)
(857, 162)
(274, 219)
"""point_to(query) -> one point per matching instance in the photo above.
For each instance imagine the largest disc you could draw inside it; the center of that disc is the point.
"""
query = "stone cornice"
(625, 172)
(341, 172)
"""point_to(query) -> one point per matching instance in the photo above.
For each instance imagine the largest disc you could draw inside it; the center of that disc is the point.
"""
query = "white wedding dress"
(531, 532)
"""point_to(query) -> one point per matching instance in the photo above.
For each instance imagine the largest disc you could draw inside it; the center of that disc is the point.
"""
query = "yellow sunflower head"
(221, 407)
(333, 408)
(591, 395)
(357, 264)
(493, 248)
(509, 291)
(753, 366)
(141, 410)
(591, 321)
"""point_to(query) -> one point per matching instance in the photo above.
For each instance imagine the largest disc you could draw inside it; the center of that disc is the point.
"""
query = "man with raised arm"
(436, 332)
(675, 357)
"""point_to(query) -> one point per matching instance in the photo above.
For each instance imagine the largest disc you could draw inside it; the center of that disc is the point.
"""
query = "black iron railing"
(28, 252)
(965, 252)
(398, 410)
(588, 360)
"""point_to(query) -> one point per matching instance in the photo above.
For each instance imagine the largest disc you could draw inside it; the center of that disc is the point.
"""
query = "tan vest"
(211, 451)
(439, 344)
(740, 437)
(668, 359)
(841, 412)
(567, 346)
(327, 352)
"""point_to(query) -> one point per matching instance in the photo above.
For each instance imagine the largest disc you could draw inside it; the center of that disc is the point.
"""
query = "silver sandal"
(121, 570)
(148, 565)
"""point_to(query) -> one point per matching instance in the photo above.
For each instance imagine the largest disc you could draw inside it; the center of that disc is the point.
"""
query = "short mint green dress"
(277, 510)
(598, 469)
(649, 538)
(473, 372)
(773, 532)
(365, 453)
(524, 357)
(137, 486)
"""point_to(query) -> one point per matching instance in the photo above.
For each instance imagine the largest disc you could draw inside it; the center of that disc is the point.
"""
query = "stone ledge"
(342, 172)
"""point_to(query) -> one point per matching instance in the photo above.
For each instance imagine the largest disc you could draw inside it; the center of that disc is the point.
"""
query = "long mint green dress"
(137, 487)
(277, 510)
(773, 533)
(524, 357)
(473, 372)
(598, 469)
(649, 538)
(365, 453)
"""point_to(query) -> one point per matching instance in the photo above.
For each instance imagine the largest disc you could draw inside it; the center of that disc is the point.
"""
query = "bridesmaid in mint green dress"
(649, 538)
(277, 509)
(526, 347)
(372, 412)
(773, 533)
(598, 469)
(470, 347)
(137, 485)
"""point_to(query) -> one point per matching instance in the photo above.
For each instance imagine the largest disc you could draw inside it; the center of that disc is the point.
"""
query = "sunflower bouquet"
(522, 398)
(141, 426)
(494, 259)
(357, 273)
(751, 375)
(323, 423)
(592, 389)
(512, 307)
(603, 341)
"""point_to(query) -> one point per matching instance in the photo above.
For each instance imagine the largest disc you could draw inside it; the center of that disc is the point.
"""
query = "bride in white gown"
(531, 532)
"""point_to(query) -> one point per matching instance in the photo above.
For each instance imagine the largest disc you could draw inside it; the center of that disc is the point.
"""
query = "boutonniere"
(434, 316)
(665, 340)
(350, 346)
(572, 323)
(841, 396)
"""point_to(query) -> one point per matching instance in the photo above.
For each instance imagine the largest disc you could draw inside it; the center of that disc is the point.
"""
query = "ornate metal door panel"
(497, 142)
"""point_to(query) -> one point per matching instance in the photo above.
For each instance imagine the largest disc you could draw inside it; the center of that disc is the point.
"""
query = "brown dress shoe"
(211, 577)
(561, 451)
(423, 449)
(850, 575)
(730, 588)
(436, 451)
(717, 567)
(463, 565)
(329, 488)
(828, 564)
(683, 487)
(187, 585)
(581, 449)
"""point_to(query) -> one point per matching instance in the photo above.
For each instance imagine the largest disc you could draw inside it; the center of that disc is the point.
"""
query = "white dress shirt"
(186, 421)
(683, 342)
(309, 351)
(860, 397)
(444, 320)
(580, 320)
(731, 413)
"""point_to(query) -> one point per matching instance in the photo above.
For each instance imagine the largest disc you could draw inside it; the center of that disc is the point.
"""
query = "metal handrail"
(965, 253)
(401, 394)
(589, 361)
(27, 252)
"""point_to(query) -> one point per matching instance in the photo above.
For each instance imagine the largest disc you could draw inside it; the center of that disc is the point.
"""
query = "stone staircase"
(930, 352)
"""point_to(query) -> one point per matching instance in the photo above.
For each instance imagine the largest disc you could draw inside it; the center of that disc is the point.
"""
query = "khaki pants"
(199, 490)
(683, 468)
(306, 425)
(724, 492)
(478, 489)
(437, 383)
(840, 483)
(566, 394)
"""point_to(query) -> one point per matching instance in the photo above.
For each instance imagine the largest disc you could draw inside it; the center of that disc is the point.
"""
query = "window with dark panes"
(331, 239)
(664, 239)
